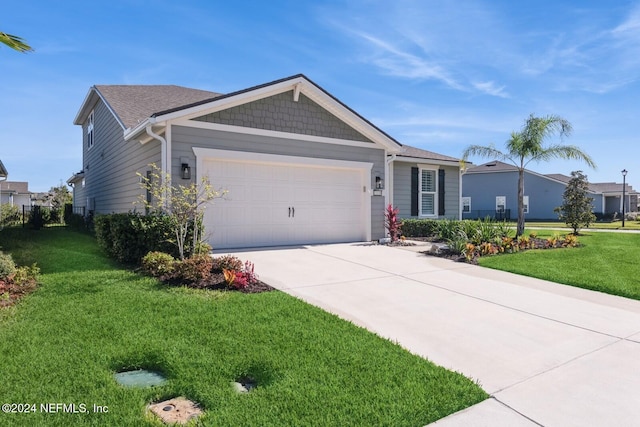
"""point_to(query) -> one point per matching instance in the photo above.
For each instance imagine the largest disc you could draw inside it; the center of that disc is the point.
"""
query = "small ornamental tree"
(576, 210)
(185, 205)
(392, 223)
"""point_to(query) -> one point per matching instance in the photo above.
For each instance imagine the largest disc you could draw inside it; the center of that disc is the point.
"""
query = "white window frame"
(421, 193)
(525, 200)
(466, 202)
(90, 139)
(501, 201)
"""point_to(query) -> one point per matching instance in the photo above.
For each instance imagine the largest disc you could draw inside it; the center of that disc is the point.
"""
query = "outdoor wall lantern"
(379, 183)
(186, 171)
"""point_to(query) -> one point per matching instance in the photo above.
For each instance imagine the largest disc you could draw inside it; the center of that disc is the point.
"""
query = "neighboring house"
(491, 189)
(3, 172)
(610, 194)
(15, 193)
(299, 165)
(3, 177)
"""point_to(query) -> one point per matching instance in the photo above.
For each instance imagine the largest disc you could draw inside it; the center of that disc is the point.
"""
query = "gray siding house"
(3, 172)
(298, 165)
(492, 189)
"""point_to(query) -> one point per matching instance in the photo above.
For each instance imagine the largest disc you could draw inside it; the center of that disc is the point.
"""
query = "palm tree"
(15, 42)
(527, 145)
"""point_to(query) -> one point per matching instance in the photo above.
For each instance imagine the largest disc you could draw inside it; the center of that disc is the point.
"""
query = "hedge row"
(419, 227)
(128, 237)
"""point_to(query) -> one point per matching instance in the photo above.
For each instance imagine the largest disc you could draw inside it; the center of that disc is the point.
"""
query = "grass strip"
(605, 262)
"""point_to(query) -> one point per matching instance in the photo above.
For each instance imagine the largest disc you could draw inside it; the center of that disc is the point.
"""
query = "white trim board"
(249, 156)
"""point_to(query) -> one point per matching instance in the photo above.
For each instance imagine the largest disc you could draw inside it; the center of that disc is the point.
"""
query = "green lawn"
(91, 318)
(616, 225)
(606, 262)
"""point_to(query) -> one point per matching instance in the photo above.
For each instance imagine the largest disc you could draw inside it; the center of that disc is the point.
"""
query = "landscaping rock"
(438, 248)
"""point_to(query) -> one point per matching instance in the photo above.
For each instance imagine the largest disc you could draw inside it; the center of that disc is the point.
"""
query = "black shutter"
(414, 191)
(440, 192)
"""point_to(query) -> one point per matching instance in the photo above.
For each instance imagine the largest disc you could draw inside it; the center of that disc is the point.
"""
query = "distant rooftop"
(14, 186)
(596, 187)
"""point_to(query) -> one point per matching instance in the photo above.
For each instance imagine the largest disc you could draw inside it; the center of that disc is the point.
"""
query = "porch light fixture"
(185, 171)
(379, 183)
(624, 184)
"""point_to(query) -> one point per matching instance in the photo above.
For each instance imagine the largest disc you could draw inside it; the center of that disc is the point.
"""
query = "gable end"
(281, 113)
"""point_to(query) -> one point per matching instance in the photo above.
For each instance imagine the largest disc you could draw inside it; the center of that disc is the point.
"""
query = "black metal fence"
(38, 216)
(504, 215)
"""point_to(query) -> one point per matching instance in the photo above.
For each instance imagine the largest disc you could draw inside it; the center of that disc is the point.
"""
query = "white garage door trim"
(207, 154)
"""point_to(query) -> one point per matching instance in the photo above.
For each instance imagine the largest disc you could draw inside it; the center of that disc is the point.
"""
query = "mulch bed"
(535, 243)
(11, 292)
(216, 282)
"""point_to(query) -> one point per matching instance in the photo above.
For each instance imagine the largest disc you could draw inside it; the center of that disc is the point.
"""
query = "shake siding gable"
(281, 113)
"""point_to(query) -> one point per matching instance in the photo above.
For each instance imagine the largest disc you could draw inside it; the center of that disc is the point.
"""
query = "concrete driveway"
(547, 354)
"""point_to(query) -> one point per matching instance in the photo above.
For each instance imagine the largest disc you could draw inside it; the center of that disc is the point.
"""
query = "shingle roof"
(493, 166)
(559, 177)
(14, 186)
(3, 170)
(409, 151)
(612, 187)
(135, 103)
(595, 187)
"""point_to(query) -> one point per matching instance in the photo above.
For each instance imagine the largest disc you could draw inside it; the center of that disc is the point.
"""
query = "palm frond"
(567, 152)
(15, 42)
(484, 151)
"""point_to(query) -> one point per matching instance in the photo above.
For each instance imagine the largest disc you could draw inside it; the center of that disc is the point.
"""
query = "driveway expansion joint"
(558, 366)
(513, 308)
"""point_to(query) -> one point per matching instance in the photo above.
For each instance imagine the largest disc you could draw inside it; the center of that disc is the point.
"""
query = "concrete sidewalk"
(547, 354)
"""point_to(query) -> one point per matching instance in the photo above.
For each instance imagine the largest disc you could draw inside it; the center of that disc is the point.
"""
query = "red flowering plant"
(241, 279)
(392, 223)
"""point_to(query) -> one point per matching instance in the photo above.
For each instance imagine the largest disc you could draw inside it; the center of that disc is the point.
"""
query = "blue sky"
(438, 75)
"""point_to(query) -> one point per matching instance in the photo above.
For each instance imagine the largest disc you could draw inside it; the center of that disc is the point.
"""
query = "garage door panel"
(328, 204)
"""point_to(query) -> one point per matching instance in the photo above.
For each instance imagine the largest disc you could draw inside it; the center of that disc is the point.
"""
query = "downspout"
(164, 162)
(388, 173)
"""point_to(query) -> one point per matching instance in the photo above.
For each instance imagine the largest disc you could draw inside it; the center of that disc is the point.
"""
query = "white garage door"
(270, 204)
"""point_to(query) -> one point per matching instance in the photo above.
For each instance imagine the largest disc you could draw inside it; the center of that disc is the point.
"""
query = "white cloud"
(404, 64)
(490, 88)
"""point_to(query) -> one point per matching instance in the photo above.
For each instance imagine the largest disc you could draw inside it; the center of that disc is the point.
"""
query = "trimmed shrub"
(7, 266)
(227, 262)
(102, 228)
(10, 215)
(419, 227)
(158, 264)
(194, 271)
(128, 237)
(26, 275)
